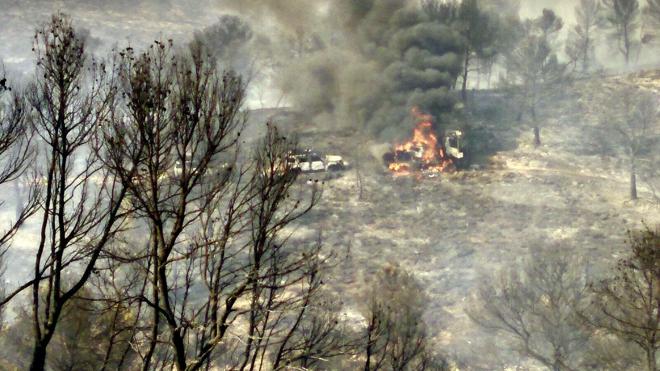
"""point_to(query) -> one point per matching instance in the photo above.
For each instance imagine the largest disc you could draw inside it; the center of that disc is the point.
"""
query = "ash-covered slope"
(455, 230)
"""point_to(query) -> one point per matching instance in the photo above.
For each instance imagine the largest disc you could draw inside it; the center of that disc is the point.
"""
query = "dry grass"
(455, 230)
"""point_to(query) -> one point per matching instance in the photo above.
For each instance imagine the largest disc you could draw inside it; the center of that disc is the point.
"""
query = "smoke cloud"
(358, 63)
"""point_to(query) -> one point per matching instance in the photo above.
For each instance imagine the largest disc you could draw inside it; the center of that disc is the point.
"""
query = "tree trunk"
(146, 362)
(650, 359)
(537, 130)
(633, 184)
(466, 65)
(360, 184)
(179, 350)
(537, 136)
(587, 47)
(490, 75)
(556, 366)
(626, 44)
(40, 350)
(367, 364)
(38, 357)
(479, 79)
(369, 350)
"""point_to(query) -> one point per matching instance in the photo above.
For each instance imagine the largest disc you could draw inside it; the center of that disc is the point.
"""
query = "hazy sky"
(139, 22)
(17, 21)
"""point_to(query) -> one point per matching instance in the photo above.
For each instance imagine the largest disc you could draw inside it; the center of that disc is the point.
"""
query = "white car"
(335, 163)
(311, 162)
(178, 168)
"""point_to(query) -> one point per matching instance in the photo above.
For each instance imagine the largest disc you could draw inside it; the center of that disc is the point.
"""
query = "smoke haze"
(342, 62)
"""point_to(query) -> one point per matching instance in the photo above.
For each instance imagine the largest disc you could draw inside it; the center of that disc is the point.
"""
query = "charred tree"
(16, 153)
(628, 304)
(479, 31)
(533, 71)
(79, 206)
(217, 260)
(652, 20)
(395, 336)
(179, 115)
(581, 44)
(534, 75)
(536, 307)
(622, 20)
(630, 121)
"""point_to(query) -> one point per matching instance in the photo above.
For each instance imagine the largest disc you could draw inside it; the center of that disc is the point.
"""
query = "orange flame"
(423, 146)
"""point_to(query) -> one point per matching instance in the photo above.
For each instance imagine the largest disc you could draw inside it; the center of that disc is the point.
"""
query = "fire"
(399, 169)
(421, 153)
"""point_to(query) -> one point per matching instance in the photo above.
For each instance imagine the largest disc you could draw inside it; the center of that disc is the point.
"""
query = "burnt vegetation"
(165, 230)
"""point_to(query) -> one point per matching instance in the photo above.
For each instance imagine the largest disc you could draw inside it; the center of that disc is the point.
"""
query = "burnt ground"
(451, 231)
(458, 229)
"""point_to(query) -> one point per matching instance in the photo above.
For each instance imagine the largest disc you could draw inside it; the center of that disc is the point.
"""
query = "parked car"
(309, 161)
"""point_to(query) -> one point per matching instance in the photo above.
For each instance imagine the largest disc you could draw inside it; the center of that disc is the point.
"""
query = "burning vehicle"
(424, 153)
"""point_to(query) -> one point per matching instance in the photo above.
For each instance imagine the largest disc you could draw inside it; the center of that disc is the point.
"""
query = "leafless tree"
(533, 76)
(480, 30)
(16, 153)
(80, 340)
(360, 155)
(219, 273)
(536, 306)
(628, 304)
(630, 122)
(80, 203)
(622, 20)
(581, 44)
(307, 336)
(178, 116)
(295, 331)
(395, 335)
(652, 20)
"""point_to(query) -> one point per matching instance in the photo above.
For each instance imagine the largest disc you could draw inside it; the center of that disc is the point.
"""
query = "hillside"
(458, 229)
